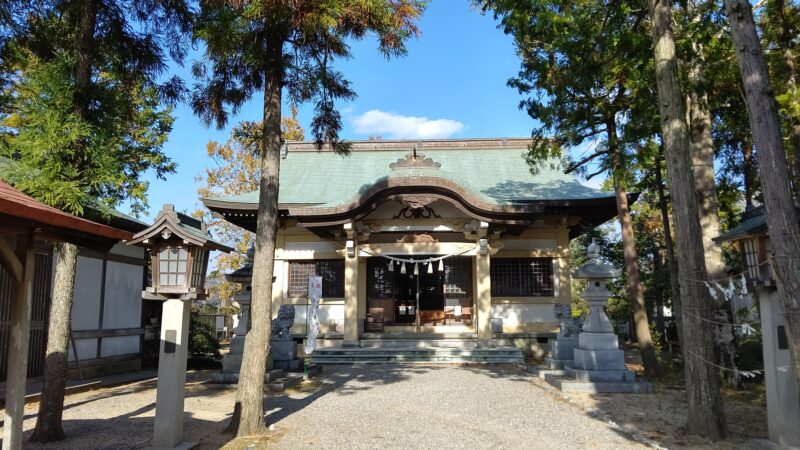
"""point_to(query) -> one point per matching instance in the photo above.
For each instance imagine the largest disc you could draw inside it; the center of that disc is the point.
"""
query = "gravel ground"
(356, 407)
(435, 407)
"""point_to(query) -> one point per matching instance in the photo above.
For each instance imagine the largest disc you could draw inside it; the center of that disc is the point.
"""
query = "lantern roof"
(595, 268)
(243, 274)
(170, 223)
(752, 224)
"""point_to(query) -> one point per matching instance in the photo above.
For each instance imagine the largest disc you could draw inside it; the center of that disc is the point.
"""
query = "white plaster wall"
(119, 345)
(87, 349)
(306, 250)
(529, 244)
(519, 314)
(86, 294)
(128, 250)
(123, 298)
(326, 313)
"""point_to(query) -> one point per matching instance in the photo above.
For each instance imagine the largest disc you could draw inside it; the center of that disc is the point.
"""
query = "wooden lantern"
(179, 247)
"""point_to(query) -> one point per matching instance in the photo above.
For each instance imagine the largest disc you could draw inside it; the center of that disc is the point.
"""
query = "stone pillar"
(171, 373)
(483, 300)
(232, 361)
(350, 300)
(783, 401)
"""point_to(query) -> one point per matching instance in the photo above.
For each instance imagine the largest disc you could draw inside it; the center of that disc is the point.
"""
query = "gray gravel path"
(434, 407)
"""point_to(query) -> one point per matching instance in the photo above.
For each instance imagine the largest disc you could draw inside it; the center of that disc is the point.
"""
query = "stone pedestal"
(562, 352)
(284, 355)
(232, 361)
(598, 363)
(168, 431)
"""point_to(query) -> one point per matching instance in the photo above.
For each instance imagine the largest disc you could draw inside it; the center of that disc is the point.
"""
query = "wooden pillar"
(483, 300)
(350, 300)
(18, 345)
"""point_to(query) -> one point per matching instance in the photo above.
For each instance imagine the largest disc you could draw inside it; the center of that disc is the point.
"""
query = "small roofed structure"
(179, 246)
(751, 235)
(23, 220)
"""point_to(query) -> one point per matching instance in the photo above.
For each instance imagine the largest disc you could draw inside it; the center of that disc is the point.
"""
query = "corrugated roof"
(495, 174)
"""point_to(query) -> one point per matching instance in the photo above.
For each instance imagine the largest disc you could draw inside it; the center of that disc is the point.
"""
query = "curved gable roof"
(490, 172)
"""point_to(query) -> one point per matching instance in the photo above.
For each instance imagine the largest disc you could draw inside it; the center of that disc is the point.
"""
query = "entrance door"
(445, 296)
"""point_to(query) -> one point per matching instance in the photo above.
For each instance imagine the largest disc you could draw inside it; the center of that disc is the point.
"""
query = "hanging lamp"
(403, 268)
(441, 264)
(416, 268)
(391, 266)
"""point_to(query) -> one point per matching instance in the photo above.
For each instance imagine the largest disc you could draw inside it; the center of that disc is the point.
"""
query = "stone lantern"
(232, 362)
(598, 357)
(179, 246)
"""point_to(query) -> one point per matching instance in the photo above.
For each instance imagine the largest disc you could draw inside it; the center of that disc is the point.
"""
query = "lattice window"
(198, 257)
(380, 280)
(172, 266)
(751, 258)
(522, 277)
(458, 276)
(331, 271)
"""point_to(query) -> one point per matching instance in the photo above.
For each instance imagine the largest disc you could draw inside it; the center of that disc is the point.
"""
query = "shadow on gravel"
(349, 380)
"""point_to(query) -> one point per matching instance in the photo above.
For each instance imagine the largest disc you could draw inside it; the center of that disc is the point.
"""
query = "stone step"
(566, 384)
(381, 355)
(425, 343)
(284, 382)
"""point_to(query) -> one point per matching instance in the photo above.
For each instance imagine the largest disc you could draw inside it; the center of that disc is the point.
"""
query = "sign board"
(314, 297)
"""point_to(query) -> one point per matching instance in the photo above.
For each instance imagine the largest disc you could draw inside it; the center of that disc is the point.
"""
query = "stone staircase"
(381, 349)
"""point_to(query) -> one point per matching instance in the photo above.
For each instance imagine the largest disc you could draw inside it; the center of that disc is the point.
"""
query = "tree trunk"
(781, 217)
(786, 43)
(634, 284)
(706, 415)
(48, 422)
(748, 173)
(248, 417)
(670, 247)
(84, 43)
(702, 148)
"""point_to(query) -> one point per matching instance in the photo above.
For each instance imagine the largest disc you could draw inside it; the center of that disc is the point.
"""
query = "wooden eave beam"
(10, 261)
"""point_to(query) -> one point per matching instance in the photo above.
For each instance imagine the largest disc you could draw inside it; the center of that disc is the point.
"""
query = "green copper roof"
(497, 176)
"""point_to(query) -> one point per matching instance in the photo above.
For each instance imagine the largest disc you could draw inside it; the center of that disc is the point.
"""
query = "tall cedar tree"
(275, 45)
(578, 62)
(706, 415)
(90, 67)
(237, 171)
(780, 26)
(782, 218)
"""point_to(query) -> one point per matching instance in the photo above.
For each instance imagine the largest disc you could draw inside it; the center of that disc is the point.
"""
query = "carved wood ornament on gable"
(415, 161)
(417, 208)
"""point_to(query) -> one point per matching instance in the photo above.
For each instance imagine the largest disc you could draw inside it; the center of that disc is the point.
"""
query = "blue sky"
(452, 83)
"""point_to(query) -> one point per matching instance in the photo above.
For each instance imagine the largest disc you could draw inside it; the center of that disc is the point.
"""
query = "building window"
(331, 271)
(522, 277)
(172, 266)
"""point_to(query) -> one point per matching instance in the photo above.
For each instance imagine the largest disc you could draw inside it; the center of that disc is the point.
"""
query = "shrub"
(203, 346)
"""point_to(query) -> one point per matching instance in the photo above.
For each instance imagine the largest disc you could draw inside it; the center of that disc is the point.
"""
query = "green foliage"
(69, 163)
(86, 114)
(203, 346)
(750, 351)
(310, 35)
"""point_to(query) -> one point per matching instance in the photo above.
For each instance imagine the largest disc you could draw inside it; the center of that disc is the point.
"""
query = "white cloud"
(393, 126)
